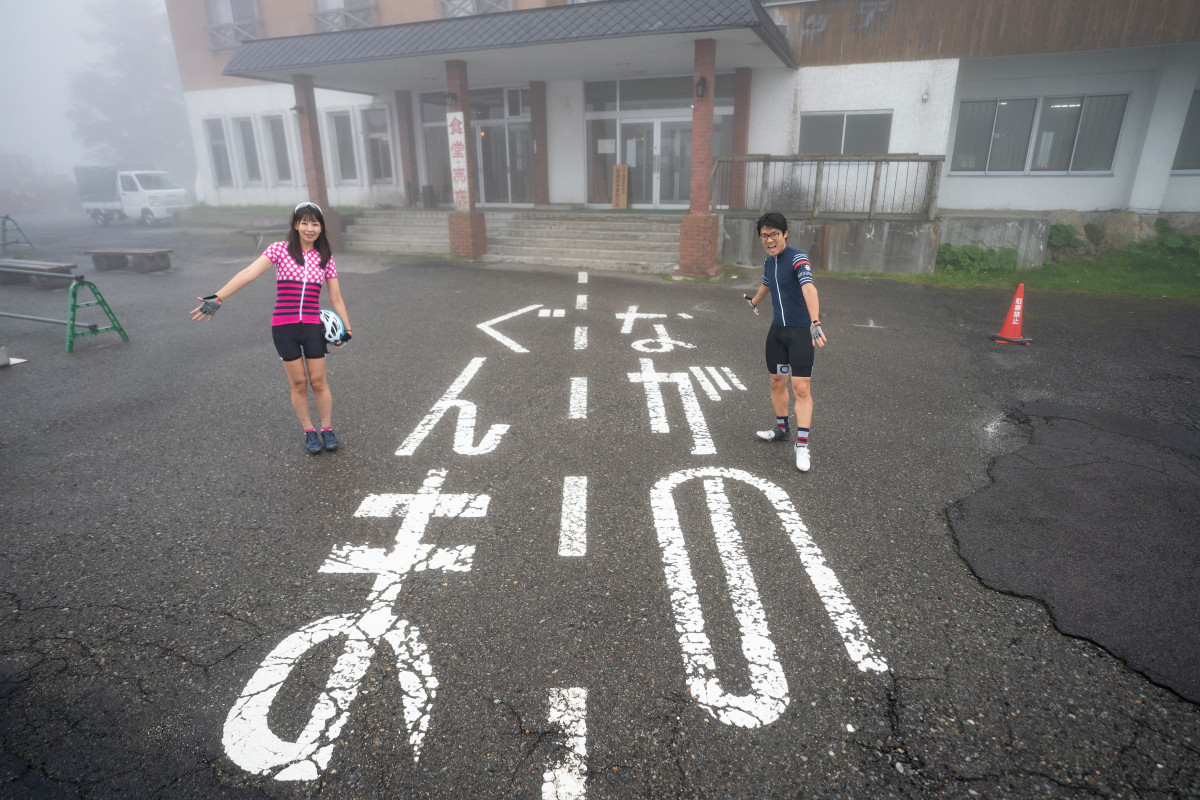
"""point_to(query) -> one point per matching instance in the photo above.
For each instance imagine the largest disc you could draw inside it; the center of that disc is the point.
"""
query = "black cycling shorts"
(789, 351)
(299, 339)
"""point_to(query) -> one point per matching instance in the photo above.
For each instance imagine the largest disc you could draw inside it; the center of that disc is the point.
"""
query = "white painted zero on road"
(768, 696)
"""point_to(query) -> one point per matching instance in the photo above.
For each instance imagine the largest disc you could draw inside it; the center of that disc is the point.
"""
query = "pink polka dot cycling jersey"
(298, 287)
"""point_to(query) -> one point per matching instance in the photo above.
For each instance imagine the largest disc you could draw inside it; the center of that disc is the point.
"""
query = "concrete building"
(883, 126)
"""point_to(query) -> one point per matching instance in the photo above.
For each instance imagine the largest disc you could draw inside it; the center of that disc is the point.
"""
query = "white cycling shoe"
(803, 461)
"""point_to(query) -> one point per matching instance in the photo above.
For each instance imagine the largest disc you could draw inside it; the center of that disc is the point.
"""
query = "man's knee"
(802, 387)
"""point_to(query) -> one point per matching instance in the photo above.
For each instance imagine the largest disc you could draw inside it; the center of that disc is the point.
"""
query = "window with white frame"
(343, 146)
(343, 15)
(1187, 155)
(850, 133)
(469, 8)
(1063, 134)
(218, 149)
(251, 171)
(277, 140)
(231, 22)
(377, 133)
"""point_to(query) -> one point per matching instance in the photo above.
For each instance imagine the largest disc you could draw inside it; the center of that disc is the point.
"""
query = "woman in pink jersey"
(302, 264)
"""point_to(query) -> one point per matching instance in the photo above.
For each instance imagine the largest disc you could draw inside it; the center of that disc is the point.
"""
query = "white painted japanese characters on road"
(464, 431)
(768, 696)
(248, 739)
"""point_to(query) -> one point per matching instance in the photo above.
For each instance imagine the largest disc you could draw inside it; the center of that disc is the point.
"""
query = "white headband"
(306, 203)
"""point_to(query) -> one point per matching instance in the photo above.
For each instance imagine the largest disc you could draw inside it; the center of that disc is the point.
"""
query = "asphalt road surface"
(551, 559)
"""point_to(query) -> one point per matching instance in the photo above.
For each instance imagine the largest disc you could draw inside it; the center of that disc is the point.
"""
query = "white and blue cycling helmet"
(335, 329)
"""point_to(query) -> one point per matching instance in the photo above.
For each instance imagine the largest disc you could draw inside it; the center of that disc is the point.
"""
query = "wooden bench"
(43, 281)
(261, 234)
(137, 259)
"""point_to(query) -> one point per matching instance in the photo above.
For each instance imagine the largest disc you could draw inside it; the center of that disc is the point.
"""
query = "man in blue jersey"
(795, 331)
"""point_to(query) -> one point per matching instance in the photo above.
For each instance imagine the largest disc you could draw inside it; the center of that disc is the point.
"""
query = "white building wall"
(919, 95)
(1135, 71)
(276, 100)
(566, 159)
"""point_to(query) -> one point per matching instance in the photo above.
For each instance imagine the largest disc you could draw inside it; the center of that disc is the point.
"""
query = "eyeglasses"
(766, 237)
(307, 205)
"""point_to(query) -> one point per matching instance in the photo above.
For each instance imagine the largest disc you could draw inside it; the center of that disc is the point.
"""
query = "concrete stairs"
(597, 240)
(400, 232)
(602, 240)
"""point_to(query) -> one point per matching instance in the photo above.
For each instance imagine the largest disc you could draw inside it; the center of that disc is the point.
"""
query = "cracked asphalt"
(1015, 527)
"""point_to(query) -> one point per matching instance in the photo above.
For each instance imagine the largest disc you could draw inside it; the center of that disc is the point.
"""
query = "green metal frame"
(72, 334)
(5, 222)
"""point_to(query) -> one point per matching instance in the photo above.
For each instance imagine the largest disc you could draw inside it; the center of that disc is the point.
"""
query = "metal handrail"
(344, 19)
(884, 186)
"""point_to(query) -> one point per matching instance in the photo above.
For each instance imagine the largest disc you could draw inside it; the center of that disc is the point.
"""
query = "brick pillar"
(468, 229)
(741, 136)
(314, 161)
(698, 233)
(537, 130)
(408, 148)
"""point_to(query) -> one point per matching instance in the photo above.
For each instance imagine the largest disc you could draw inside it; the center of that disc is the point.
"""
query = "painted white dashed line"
(578, 398)
(566, 779)
(486, 327)
(583, 277)
(572, 537)
(556, 313)
(581, 302)
(581, 337)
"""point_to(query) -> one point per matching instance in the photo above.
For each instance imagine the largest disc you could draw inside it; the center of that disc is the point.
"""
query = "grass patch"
(1166, 266)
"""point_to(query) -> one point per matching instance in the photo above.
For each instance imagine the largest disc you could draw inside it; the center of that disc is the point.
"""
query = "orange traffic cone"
(1010, 331)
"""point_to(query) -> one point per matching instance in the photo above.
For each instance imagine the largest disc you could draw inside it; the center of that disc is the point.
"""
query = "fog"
(42, 47)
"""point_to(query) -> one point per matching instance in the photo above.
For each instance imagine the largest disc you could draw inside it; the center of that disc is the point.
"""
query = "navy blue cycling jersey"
(784, 275)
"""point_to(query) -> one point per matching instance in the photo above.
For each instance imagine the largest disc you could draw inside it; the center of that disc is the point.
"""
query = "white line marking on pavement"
(720, 381)
(247, 736)
(566, 779)
(631, 316)
(578, 399)
(733, 378)
(583, 277)
(581, 337)
(706, 385)
(702, 443)
(464, 432)
(486, 327)
(581, 302)
(768, 697)
(572, 537)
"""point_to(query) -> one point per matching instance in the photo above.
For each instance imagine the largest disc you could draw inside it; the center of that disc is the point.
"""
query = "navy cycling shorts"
(789, 351)
(299, 340)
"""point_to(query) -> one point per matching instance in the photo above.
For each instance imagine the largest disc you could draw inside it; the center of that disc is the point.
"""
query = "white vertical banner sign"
(457, 130)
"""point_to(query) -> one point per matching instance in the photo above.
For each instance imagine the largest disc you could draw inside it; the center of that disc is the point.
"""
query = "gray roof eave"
(266, 59)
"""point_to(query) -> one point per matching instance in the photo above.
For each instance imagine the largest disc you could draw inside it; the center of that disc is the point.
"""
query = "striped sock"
(323, 429)
(782, 423)
(802, 437)
(310, 430)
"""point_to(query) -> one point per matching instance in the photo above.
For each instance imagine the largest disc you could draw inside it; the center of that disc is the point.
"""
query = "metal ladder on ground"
(92, 330)
(7, 222)
(73, 304)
